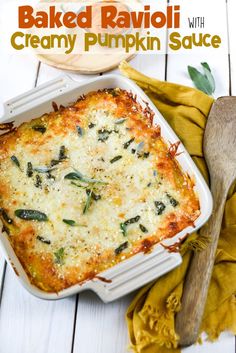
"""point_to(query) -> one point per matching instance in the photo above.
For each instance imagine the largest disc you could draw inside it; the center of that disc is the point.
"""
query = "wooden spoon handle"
(196, 285)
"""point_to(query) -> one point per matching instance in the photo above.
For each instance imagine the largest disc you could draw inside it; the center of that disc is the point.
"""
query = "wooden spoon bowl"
(220, 154)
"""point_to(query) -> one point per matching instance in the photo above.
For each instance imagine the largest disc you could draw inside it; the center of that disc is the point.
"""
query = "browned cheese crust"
(106, 184)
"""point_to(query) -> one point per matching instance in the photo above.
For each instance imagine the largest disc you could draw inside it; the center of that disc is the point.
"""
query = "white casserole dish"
(141, 268)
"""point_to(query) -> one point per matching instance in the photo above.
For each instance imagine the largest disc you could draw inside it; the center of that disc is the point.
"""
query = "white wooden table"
(83, 324)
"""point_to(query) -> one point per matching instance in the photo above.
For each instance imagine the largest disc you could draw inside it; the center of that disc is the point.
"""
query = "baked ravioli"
(89, 185)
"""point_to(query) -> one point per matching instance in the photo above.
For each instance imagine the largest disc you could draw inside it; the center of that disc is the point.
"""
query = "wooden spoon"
(220, 154)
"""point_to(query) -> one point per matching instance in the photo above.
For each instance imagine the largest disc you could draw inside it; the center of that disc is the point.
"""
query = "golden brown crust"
(40, 265)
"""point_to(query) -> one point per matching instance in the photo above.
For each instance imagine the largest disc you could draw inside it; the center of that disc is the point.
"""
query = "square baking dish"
(141, 268)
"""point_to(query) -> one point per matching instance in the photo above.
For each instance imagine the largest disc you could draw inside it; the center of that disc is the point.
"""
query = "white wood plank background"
(83, 324)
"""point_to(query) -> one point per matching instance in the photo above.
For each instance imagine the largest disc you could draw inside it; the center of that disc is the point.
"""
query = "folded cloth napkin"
(151, 315)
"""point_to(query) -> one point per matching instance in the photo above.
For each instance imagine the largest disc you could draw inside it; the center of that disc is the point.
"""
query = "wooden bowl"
(84, 63)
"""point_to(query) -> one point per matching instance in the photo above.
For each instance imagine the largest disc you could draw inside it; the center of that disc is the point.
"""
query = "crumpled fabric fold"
(151, 315)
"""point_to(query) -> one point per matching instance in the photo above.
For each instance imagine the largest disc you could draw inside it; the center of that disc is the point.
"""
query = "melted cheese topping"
(105, 182)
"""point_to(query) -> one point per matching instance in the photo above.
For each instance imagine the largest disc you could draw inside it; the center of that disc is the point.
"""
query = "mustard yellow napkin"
(151, 315)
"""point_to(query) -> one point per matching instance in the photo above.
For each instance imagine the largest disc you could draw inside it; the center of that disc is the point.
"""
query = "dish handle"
(134, 273)
(26, 101)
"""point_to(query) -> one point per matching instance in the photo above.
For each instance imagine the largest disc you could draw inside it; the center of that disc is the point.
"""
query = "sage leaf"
(103, 135)
(79, 185)
(31, 215)
(173, 201)
(62, 153)
(140, 147)
(206, 66)
(146, 154)
(43, 169)
(62, 156)
(94, 196)
(15, 161)
(128, 143)
(132, 220)
(209, 75)
(115, 159)
(29, 171)
(80, 130)
(38, 183)
(59, 256)
(143, 229)
(54, 162)
(43, 240)
(122, 247)
(120, 121)
(123, 228)
(76, 175)
(39, 128)
(70, 222)
(200, 81)
(160, 207)
(91, 125)
(88, 202)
